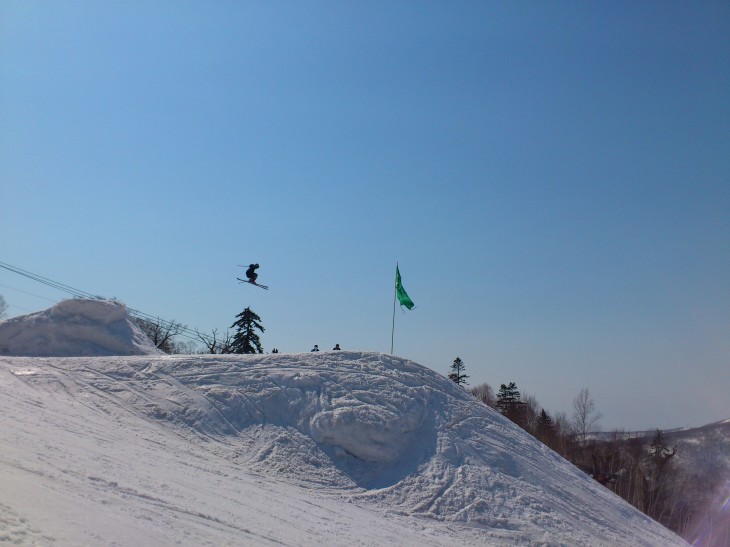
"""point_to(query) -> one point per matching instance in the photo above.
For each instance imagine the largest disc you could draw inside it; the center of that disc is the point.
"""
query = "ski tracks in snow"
(202, 449)
(15, 530)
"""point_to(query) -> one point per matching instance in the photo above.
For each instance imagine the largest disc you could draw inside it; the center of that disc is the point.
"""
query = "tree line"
(641, 469)
(244, 339)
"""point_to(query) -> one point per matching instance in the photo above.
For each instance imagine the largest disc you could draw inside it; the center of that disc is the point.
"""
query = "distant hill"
(692, 491)
(713, 438)
(703, 456)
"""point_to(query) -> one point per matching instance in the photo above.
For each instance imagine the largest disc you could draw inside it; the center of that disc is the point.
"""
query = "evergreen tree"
(507, 395)
(457, 372)
(510, 405)
(246, 340)
(659, 451)
(545, 429)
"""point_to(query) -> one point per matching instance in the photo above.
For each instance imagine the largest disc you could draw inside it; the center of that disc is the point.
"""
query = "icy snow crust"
(328, 448)
(75, 328)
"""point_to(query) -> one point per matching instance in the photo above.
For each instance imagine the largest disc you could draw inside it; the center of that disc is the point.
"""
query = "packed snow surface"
(329, 448)
(75, 328)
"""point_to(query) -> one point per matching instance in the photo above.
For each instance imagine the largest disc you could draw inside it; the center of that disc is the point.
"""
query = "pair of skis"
(251, 282)
(266, 287)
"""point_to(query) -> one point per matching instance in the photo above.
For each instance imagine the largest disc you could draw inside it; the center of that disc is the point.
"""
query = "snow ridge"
(380, 432)
(75, 327)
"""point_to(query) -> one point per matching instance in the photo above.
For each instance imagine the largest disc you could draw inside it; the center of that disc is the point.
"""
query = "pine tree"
(457, 372)
(507, 395)
(246, 340)
(659, 451)
(545, 429)
(510, 405)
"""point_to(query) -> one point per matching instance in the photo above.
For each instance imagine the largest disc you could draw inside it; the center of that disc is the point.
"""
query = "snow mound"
(369, 429)
(76, 327)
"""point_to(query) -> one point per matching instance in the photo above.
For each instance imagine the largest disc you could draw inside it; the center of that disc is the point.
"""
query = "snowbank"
(75, 327)
(395, 451)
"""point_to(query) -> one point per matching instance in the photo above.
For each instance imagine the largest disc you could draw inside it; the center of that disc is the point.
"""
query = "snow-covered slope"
(700, 446)
(75, 327)
(99, 446)
(329, 448)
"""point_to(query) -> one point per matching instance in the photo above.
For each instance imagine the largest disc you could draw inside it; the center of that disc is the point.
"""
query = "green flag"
(403, 298)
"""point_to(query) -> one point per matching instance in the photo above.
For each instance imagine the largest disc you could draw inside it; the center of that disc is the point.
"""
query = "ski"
(266, 287)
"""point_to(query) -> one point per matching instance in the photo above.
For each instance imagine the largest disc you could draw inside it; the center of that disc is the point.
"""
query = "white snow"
(329, 448)
(75, 328)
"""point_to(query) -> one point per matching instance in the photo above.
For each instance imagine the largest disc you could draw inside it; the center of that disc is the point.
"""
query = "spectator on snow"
(315, 348)
(336, 348)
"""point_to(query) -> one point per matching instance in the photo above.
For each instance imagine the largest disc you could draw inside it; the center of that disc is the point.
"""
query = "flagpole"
(395, 293)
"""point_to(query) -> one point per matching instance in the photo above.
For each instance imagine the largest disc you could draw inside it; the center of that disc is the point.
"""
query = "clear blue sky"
(552, 177)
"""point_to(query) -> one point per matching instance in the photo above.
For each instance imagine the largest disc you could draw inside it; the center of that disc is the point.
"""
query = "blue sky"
(553, 179)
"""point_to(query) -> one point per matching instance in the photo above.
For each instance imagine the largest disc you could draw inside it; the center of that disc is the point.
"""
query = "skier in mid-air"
(251, 276)
(251, 273)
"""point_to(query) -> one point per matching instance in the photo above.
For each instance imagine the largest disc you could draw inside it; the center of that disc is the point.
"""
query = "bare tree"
(531, 412)
(585, 416)
(485, 394)
(161, 332)
(3, 306)
(213, 343)
(563, 432)
(184, 348)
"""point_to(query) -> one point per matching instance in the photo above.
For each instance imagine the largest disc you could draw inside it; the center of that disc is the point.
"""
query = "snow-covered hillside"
(702, 447)
(703, 457)
(75, 328)
(329, 448)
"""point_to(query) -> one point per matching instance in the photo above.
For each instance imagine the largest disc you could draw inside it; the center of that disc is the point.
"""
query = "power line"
(28, 293)
(182, 330)
(44, 280)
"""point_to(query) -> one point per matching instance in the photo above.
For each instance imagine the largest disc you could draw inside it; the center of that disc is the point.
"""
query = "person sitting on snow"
(336, 348)
(315, 348)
